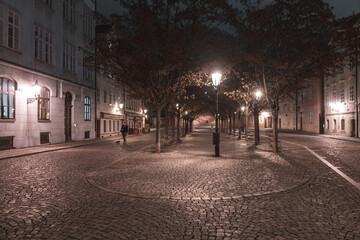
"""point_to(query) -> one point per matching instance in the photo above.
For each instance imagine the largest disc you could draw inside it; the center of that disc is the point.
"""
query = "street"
(116, 191)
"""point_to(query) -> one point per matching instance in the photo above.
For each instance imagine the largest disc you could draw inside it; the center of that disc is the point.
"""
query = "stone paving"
(111, 191)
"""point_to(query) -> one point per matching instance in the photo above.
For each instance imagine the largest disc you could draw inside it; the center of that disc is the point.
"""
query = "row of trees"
(166, 50)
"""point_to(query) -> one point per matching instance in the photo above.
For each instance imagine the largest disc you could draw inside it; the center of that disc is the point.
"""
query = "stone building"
(342, 87)
(340, 103)
(47, 95)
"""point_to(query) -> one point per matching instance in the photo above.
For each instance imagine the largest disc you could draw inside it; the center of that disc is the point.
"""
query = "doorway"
(352, 123)
(68, 106)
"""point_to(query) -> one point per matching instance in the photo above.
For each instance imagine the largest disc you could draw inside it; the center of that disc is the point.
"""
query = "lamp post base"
(217, 151)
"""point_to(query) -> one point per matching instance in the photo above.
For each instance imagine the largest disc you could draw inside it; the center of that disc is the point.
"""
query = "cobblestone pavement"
(111, 191)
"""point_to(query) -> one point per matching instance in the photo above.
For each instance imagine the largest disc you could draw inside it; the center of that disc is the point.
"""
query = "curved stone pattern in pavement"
(189, 171)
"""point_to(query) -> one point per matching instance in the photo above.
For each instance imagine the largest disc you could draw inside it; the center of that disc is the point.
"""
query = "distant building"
(340, 103)
(40, 43)
(114, 102)
(342, 89)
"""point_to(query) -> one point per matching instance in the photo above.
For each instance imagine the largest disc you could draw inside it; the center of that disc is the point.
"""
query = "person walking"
(124, 130)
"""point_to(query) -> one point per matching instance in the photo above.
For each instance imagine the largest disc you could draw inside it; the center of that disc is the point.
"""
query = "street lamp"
(216, 77)
(258, 94)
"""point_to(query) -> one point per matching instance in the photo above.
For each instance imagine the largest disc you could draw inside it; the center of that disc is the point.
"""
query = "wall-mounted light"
(121, 105)
(35, 91)
(145, 111)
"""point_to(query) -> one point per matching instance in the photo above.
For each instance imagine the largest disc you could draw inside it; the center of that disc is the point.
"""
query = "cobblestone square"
(114, 191)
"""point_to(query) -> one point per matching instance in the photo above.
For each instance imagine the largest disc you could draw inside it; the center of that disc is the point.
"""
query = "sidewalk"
(19, 152)
(353, 139)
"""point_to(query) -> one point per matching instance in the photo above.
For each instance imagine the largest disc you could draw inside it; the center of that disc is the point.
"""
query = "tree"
(155, 47)
(280, 41)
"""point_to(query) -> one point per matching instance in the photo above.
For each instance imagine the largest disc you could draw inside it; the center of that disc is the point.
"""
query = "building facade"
(340, 103)
(47, 95)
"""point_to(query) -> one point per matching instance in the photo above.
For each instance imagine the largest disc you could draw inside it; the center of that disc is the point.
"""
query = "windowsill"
(87, 120)
(69, 72)
(11, 50)
(44, 121)
(7, 120)
(43, 63)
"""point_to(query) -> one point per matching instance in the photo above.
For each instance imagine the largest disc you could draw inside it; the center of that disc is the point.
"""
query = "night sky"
(342, 8)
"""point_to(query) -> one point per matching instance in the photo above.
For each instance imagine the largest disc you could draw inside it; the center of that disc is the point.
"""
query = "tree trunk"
(167, 122)
(230, 124)
(178, 127)
(158, 134)
(256, 121)
(239, 125)
(234, 127)
(173, 118)
(191, 125)
(246, 122)
(275, 130)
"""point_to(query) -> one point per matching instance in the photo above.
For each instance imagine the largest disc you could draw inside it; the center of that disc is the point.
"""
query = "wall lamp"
(35, 91)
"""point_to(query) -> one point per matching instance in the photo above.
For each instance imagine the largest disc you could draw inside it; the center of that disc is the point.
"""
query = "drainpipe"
(95, 73)
(356, 88)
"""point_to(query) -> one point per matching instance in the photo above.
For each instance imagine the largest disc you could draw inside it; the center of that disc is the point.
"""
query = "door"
(98, 128)
(269, 122)
(352, 123)
(68, 106)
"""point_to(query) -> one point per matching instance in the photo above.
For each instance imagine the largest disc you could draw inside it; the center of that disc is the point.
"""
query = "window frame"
(2, 24)
(44, 105)
(87, 108)
(14, 25)
(351, 93)
(9, 98)
(69, 57)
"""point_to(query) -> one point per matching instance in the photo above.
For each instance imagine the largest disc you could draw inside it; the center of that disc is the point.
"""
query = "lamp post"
(240, 122)
(256, 117)
(216, 77)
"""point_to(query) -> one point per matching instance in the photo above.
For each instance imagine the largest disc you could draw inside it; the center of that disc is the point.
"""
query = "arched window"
(44, 104)
(87, 110)
(7, 98)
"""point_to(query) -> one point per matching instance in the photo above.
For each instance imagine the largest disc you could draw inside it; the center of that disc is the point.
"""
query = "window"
(334, 124)
(327, 124)
(343, 124)
(109, 125)
(43, 51)
(97, 95)
(114, 126)
(87, 109)
(88, 73)
(104, 126)
(69, 10)
(48, 2)
(13, 30)
(334, 96)
(311, 117)
(105, 96)
(118, 125)
(1, 25)
(88, 25)
(7, 98)
(351, 93)
(44, 104)
(342, 95)
(110, 98)
(68, 57)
